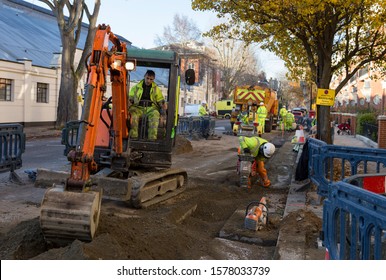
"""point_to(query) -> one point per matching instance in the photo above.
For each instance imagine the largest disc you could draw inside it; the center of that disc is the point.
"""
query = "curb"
(290, 246)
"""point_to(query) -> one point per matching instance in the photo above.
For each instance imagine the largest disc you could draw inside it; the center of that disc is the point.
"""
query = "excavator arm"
(72, 211)
(100, 63)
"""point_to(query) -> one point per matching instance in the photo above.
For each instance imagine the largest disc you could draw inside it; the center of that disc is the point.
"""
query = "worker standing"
(202, 109)
(282, 113)
(204, 115)
(234, 115)
(146, 98)
(261, 150)
(289, 120)
(261, 116)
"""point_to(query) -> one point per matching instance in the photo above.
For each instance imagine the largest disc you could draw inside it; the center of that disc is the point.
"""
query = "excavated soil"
(184, 227)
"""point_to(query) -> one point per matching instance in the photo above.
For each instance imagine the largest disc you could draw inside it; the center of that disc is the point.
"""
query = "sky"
(141, 21)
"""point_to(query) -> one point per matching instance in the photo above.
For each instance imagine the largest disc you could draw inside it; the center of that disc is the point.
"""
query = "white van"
(191, 110)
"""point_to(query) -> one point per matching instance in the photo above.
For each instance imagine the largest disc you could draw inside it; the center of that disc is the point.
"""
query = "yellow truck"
(224, 108)
(249, 98)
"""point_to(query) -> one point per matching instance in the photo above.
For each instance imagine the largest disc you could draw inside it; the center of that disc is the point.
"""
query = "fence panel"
(331, 163)
(12, 145)
(352, 181)
(354, 223)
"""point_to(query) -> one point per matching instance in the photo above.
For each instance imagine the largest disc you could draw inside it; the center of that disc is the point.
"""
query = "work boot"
(266, 183)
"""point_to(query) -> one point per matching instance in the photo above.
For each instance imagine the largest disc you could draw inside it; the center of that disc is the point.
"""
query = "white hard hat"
(268, 149)
(261, 103)
(203, 102)
(283, 106)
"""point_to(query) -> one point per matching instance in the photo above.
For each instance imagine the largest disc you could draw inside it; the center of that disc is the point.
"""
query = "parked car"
(298, 116)
(301, 109)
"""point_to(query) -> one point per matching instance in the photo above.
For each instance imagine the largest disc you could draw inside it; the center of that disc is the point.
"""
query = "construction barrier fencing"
(354, 223)
(196, 126)
(12, 146)
(332, 163)
(352, 182)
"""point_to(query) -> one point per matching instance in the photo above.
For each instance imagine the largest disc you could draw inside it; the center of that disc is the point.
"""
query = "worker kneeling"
(261, 150)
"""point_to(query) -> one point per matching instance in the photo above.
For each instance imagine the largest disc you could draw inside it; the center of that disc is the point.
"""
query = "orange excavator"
(105, 162)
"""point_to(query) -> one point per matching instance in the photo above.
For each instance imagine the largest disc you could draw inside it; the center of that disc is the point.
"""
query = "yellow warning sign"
(325, 97)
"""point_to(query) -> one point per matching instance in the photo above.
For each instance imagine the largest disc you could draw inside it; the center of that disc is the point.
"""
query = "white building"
(30, 57)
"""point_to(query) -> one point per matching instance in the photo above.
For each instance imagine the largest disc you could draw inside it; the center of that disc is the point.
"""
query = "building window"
(191, 65)
(5, 89)
(42, 93)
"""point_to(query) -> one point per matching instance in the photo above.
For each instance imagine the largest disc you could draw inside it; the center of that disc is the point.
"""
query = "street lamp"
(208, 78)
(383, 96)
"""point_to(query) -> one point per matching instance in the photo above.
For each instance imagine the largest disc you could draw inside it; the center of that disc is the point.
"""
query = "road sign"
(325, 97)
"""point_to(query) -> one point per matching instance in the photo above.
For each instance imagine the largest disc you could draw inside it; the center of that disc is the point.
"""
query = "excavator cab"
(148, 154)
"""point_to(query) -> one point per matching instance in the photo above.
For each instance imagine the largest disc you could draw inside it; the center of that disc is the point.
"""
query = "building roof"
(31, 32)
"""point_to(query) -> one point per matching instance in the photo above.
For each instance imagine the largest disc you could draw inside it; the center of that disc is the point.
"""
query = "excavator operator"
(261, 150)
(146, 98)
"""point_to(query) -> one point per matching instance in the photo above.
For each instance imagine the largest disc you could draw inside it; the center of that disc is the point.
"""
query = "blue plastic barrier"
(12, 145)
(321, 163)
(196, 126)
(354, 223)
(354, 209)
(70, 136)
(184, 126)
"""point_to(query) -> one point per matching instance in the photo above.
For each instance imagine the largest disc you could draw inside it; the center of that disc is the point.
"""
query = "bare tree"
(291, 94)
(238, 63)
(177, 36)
(70, 28)
(182, 31)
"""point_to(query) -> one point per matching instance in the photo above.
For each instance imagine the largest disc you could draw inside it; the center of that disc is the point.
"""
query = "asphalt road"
(41, 153)
(48, 152)
(44, 153)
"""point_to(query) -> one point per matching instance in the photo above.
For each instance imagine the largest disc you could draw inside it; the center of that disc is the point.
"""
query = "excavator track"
(154, 187)
(67, 215)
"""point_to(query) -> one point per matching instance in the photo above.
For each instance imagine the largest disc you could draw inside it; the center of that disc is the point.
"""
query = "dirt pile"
(303, 221)
(182, 146)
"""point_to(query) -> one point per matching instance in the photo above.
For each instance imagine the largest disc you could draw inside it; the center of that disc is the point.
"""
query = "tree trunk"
(324, 124)
(67, 104)
(323, 112)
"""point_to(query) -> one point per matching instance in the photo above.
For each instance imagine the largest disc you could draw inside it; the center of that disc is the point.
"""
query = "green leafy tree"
(326, 37)
(69, 15)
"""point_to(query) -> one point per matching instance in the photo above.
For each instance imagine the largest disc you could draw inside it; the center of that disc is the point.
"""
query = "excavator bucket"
(66, 216)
